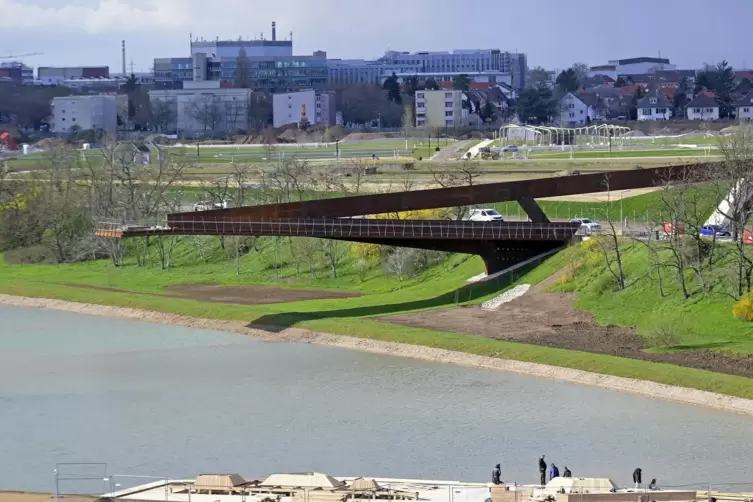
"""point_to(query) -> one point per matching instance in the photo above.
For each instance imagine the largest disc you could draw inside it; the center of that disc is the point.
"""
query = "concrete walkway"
(453, 151)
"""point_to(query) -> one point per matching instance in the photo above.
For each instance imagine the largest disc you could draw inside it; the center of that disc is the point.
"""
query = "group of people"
(554, 472)
(638, 479)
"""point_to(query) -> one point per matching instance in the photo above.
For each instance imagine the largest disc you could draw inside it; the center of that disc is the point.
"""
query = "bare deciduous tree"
(733, 182)
(164, 115)
(207, 111)
(400, 262)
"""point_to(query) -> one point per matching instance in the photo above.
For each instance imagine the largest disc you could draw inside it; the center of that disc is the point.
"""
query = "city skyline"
(89, 32)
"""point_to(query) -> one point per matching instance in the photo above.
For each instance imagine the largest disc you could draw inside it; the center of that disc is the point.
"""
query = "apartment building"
(200, 109)
(289, 107)
(439, 109)
(86, 112)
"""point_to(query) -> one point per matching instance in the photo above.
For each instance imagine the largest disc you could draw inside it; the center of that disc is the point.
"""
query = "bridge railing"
(376, 228)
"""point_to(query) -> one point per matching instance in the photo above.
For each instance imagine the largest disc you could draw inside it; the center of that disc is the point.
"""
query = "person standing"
(637, 477)
(542, 470)
(497, 475)
(566, 473)
(554, 472)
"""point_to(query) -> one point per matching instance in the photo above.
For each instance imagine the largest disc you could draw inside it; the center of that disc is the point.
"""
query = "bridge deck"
(355, 229)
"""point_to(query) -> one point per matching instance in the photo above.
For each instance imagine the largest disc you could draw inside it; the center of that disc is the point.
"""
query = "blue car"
(715, 230)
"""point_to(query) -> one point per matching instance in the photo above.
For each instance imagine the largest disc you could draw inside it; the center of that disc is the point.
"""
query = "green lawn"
(616, 153)
(704, 321)
(646, 207)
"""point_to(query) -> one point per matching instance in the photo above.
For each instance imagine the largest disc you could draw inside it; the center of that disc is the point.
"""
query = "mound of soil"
(550, 319)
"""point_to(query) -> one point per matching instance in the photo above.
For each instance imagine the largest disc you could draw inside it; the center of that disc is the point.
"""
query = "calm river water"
(168, 401)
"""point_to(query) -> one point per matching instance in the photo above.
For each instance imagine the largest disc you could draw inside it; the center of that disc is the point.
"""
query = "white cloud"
(122, 16)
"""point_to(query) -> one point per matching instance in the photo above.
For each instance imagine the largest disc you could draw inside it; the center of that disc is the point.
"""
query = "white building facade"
(201, 110)
(573, 111)
(360, 71)
(289, 107)
(632, 66)
(439, 109)
(703, 107)
(654, 108)
(85, 112)
(744, 107)
(464, 61)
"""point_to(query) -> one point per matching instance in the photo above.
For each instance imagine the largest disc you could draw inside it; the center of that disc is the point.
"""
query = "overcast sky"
(554, 33)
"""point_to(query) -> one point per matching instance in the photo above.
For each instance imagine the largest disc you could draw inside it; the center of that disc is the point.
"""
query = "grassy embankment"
(704, 322)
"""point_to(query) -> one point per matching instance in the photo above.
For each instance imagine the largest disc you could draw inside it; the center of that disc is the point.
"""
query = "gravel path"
(506, 297)
(641, 387)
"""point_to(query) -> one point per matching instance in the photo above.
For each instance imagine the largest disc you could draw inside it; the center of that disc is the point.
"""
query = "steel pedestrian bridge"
(500, 244)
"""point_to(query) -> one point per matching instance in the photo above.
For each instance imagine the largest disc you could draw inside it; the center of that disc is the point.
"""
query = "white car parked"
(208, 205)
(484, 215)
(587, 226)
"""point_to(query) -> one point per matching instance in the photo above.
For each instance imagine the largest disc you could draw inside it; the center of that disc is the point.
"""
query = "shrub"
(663, 335)
(743, 308)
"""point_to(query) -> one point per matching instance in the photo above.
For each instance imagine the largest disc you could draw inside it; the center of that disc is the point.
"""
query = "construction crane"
(27, 55)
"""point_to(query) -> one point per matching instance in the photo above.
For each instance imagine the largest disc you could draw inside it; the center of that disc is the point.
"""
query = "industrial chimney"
(124, 57)
(274, 31)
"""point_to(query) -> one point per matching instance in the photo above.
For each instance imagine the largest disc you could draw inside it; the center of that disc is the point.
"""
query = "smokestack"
(274, 31)
(124, 57)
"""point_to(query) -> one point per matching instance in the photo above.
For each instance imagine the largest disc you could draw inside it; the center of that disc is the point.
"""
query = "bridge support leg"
(533, 210)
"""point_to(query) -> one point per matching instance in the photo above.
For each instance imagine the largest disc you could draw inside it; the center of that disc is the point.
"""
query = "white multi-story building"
(654, 108)
(632, 66)
(439, 109)
(702, 107)
(465, 61)
(86, 112)
(289, 107)
(512, 67)
(361, 71)
(200, 108)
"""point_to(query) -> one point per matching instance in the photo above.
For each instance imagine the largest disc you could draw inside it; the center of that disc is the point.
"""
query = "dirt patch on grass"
(603, 196)
(252, 295)
(550, 319)
(234, 295)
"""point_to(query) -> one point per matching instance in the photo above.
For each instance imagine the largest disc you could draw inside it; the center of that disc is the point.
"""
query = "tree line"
(49, 214)
(700, 264)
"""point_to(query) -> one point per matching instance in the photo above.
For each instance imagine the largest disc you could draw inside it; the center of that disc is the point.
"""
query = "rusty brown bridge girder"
(523, 191)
